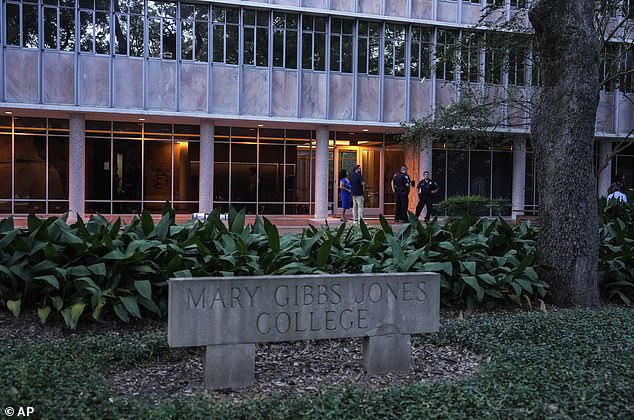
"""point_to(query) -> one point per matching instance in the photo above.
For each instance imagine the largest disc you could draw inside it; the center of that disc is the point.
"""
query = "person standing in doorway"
(427, 189)
(345, 188)
(357, 184)
(401, 185)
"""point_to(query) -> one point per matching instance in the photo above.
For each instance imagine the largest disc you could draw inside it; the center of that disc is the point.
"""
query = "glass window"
(445, 54)
(285, 40)
(480, 174)
(30, 167)
(94, 26)
(194, 32)
(457, 172)
(394, 51)
(12, 34)
(256, 37)
(518, 4)
(369, 42)
(494, 61)
(58, 168)
(496, 3)
(186, 169)
(341, 40)
(5, 166)
(225, 35)
(517, 66)
(314, 43)
(128, 27)
(420, 52)
(98, 169)
(162, 29)
(29, 24)
(157, 167)
(470, 57)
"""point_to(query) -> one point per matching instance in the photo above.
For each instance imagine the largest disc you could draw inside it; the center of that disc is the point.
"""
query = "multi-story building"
(112, 106)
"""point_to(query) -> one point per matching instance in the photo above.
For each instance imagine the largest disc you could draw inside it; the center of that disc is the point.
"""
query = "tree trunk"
(562, 130)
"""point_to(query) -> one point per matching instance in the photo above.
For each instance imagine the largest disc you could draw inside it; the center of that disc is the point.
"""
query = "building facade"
(113, 106)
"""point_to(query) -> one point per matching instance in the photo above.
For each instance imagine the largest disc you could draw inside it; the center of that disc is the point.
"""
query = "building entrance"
(370, 159)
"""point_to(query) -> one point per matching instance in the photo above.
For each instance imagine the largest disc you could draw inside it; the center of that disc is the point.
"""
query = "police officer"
(400, 186)
(427, 188)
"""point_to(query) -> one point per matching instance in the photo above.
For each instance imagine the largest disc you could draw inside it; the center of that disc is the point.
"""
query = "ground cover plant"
(562, 364)
(105, 270)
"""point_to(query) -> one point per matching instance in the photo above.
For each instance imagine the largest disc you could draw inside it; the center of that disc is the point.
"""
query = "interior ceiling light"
(365, 130)
(141, 119)
(8, 112)
(260, 125)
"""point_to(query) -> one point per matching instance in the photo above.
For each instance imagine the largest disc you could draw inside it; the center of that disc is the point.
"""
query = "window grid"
(341, 44)
(255, 37)
(285, 40)
(471, 45)
(94, 25)
(313, 43)
(445, 59)
(394, 50)
(225, 34)
(194, 32)
(128, 28)
(369, 45)
(420, 52)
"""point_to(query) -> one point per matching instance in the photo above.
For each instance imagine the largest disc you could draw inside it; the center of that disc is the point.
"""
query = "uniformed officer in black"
(427, 188)
(400, 186)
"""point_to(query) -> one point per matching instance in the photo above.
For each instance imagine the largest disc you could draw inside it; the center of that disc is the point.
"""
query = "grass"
(564, 364)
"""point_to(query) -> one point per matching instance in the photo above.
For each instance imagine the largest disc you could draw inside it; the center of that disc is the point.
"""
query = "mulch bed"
(285, 369)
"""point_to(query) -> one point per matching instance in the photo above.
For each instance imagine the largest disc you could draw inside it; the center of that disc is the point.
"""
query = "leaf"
(488, 278)
(52, 280)
(58, 302)
(144, 288)
(14, 307)
(473, 282)
(323, 253)
(183, 273)
(470, 266)
(272, 234)
(526, 285)
(236, 223)
(397, 250)
(43, 313)
(8, 239)
(385, 226)
(365, 232)
(438, 266)
(130, 303)
(98, 269)
(462, 227)
(147, 224)
(163, 227)
(526, 261)
(71, 314)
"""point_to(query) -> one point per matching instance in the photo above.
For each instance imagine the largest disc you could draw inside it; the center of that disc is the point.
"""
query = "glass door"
(347, 157)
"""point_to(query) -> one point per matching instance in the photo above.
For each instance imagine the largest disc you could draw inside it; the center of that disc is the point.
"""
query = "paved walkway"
(285, 224)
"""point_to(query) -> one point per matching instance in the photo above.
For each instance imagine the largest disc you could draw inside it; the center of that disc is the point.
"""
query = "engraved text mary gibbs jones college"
(228, 311)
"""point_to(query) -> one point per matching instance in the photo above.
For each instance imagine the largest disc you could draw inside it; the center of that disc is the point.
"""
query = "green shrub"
(106, 270)
(474, 206)
(616, 253)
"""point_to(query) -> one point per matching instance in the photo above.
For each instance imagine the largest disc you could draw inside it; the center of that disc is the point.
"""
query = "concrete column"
(321, 173)
(206, 175)
(519, 176)
(425, 161)
(76, 167)
(605, 176)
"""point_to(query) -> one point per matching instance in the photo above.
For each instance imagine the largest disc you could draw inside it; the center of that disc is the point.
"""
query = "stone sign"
(229, 314)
